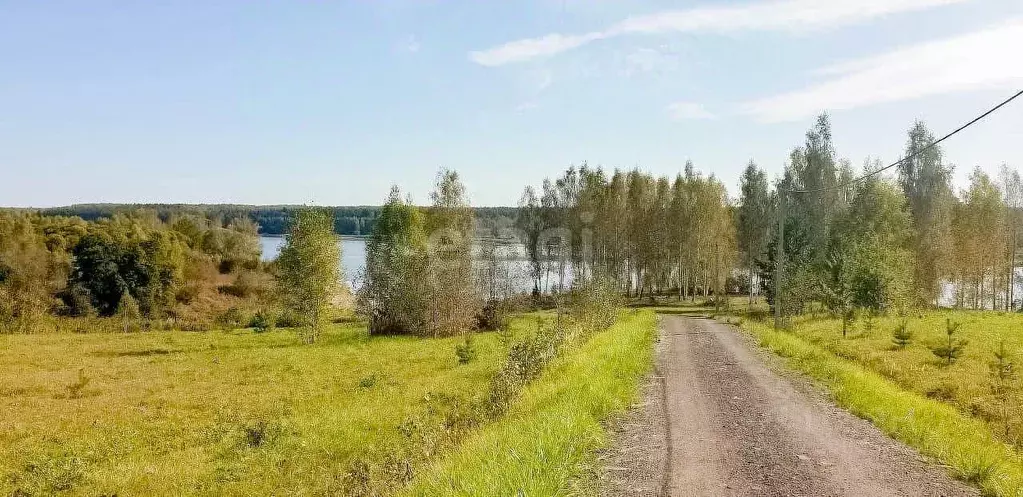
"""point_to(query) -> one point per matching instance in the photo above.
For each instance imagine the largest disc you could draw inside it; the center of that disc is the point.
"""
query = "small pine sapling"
(902, 336)
(953, 347)
(1003, 373)
(848, 317)
(466, 351)
(868, 322)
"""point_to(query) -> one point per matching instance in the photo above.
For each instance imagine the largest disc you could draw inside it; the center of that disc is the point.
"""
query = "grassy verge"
(546, 441)
(937, 429)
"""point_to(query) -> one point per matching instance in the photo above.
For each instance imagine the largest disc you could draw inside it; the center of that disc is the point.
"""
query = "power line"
(904, 159)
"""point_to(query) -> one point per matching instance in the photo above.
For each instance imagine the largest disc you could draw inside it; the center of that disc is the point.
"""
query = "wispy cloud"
(785, 15)
(984, 59)
(524, 107)
(522, 50)
(683, 111)
(649, 61)
(410, 44)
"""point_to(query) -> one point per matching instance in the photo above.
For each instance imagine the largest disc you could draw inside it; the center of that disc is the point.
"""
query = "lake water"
(353, 253)
(353, 259)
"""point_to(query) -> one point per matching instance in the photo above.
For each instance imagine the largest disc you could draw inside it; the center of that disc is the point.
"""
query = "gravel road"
(721, 418)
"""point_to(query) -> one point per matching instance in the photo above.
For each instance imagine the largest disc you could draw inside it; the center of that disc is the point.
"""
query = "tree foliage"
(394, 292)
(309, 271)
(454, 301)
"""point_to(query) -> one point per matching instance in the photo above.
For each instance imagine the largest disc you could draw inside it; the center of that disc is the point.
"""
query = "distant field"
(243, 413)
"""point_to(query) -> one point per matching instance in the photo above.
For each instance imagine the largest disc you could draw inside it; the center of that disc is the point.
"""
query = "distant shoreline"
(502, 241)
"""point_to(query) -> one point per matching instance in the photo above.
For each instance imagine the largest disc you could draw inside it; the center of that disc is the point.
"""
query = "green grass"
(545, 445)
(895, 400)
(245, 413)
(170, 413)
(966, 384)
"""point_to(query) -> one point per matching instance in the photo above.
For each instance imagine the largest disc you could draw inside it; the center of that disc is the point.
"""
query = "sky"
(330, 103)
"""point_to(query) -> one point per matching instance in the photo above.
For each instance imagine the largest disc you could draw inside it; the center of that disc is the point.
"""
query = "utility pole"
(779, 265)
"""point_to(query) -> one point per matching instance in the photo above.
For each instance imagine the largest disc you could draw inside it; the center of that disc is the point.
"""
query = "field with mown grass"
(246, 413)
(948, 412)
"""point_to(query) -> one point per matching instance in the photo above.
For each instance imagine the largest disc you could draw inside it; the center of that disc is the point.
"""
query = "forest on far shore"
(273, 219)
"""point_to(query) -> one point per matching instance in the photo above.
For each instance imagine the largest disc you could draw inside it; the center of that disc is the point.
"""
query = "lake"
(353, 259)
(353, 253)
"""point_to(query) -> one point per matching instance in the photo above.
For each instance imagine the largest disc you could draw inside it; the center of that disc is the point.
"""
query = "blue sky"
(329, 103)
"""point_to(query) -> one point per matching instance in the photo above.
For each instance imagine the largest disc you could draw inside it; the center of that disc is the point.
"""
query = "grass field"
(243, 413)
(226, 412)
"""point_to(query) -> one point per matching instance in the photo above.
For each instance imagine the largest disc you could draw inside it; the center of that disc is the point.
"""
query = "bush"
(526, 360)
(77, 301)
(493, 316)
(263, 321)
(233, 318)
(187, 293)
(594, 305)
(466, 351)
(247, 284)
(950, 350)
(902, 336)
(288, 319)
(720, 303)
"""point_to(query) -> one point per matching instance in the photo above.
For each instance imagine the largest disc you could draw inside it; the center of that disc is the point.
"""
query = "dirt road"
(719, 419)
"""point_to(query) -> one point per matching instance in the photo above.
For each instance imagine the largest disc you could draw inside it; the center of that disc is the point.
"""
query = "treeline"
(275, 219)
(182, 270)
(886, 243)
(647, 234)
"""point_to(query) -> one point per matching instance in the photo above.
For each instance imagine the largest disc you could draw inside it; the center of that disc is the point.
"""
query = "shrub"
(526, 360)
(953, 347)
(594, 305)
(187, 293)
(77, 301)
(262, 321)
(247, 284)
(128, 312)
(233, 317)
(466, 351)
(492, 316)
(368, 381)
(902, 336)
(288, 319)
(1003, 372)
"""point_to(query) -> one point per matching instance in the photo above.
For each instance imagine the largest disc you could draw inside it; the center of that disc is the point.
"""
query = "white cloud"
(411, 44)
(648, 61)
(784, 15)
(526, 107)
(984, 59)
(522, 50)
(681, 111)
